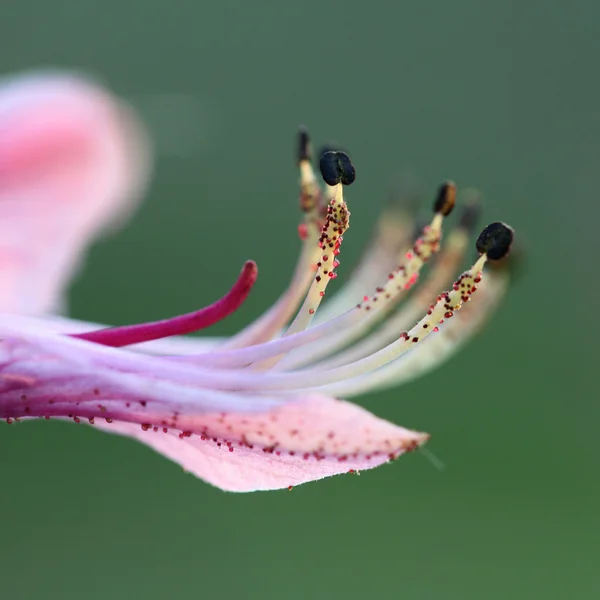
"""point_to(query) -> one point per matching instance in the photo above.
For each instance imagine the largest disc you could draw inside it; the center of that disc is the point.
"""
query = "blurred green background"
(504, 96)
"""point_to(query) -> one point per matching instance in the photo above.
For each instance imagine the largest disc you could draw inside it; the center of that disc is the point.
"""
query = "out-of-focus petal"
(74, 160)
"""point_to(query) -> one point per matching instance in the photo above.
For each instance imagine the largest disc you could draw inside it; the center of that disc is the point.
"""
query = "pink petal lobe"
(181, 325)
(236, 440)
(73, 160)
(297, 442)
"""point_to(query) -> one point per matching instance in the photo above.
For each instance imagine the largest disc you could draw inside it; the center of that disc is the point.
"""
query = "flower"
(259, 410)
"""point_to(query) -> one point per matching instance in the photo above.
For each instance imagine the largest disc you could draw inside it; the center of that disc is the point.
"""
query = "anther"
(495, 241)
(304, 146)
(336, 167)
(446, 198)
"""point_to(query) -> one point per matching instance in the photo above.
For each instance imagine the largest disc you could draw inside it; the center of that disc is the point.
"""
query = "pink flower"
(256, 411)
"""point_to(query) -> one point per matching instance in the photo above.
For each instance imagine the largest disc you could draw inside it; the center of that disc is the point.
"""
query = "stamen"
(271, 322)
(386, 297)
(337, 170)
(498, 238)
(248, 380)
(183, 324)
(447, 263)
(452, 336)
(396, 285)
(392, 238)
(311, 202)
(443, 309)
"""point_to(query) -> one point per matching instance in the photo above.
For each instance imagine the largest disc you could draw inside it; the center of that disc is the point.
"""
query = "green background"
(504, 96)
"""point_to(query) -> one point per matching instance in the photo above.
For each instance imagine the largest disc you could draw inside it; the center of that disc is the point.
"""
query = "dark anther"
(495, 241)
(446, 197)
(336, 167)
(304, 150)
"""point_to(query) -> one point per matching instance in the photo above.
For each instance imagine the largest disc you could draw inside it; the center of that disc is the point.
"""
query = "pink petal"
(235, 440)
(300, 441)
(73, 160)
